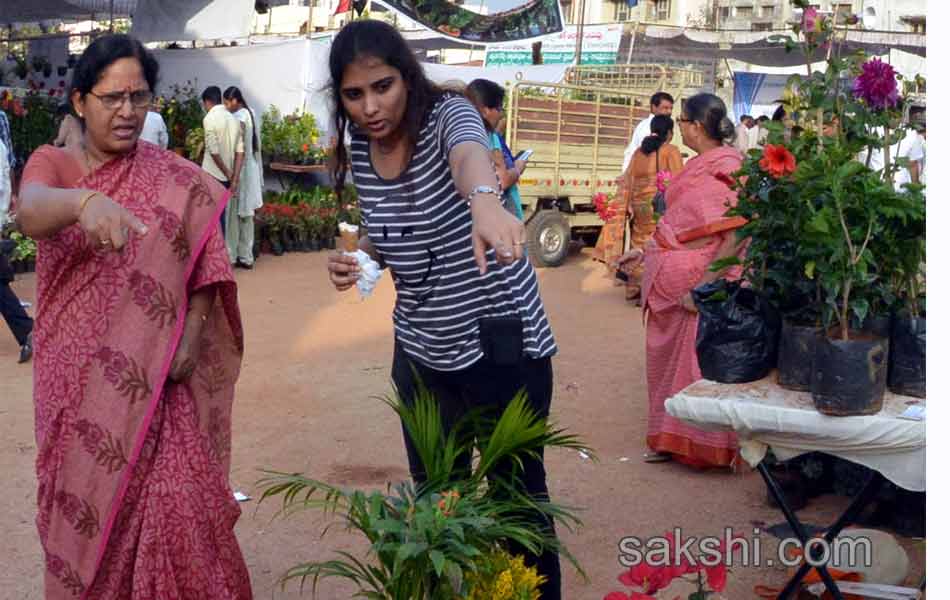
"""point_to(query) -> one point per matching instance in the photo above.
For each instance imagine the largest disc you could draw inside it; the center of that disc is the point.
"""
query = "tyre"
(548, 238)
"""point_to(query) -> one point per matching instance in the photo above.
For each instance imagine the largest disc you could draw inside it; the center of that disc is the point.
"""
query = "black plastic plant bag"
(907, 374)
(738, 334)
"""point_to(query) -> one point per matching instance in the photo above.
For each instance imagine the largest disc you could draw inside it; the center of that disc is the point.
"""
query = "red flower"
(810, 20)
(778, 161)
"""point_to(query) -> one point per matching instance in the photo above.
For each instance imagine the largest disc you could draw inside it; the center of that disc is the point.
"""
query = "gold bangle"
(84, 202)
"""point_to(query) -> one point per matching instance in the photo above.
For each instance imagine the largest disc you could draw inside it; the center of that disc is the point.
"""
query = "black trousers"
(20, 323)
(488, 387)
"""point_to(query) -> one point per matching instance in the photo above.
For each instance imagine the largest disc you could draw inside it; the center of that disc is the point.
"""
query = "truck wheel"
(548, 238)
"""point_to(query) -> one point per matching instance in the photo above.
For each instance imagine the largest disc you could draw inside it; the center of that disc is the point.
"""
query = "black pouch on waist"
(502, 339)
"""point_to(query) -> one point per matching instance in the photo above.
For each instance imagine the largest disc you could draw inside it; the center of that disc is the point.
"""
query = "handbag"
(659, 198)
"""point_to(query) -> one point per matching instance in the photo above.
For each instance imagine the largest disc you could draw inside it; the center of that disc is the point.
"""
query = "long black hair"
(487, 93)
(660, 128)
(710, 111)
(234, 93)
(380, 40)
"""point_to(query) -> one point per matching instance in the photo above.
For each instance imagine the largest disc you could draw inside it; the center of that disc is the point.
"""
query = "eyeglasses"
(113, 101)
(684, 120)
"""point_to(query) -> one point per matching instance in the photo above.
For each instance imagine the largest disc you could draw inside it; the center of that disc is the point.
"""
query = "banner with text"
(601, 43)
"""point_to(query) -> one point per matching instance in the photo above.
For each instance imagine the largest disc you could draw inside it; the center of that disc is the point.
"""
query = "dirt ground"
(315, 359)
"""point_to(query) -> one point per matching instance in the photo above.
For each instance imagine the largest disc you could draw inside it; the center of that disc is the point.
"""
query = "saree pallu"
(696, 203)
(133, 496)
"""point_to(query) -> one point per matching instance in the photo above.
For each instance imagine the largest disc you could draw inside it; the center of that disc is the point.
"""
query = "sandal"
(657, 457)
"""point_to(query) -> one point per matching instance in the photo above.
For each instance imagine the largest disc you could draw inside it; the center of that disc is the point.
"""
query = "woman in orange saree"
(692, 234)
(655, 155)
(138, 346)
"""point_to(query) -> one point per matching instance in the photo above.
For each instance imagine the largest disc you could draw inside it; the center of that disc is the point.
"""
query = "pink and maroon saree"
(696, 203)
(134, 499)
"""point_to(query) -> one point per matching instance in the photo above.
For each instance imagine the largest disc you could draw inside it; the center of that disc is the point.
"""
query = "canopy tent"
(30, 11)
(765, 49)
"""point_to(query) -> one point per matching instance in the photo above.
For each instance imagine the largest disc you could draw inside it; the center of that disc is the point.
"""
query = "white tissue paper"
(370, 273)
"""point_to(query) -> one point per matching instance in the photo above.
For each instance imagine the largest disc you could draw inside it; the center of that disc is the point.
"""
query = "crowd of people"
(136, 292)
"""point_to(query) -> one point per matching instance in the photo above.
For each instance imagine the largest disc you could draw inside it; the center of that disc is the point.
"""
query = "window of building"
(621, 11)
(724, 13)
(761, 27)
(662, 10)
(844, 11)
(768, 12)
(744, 12)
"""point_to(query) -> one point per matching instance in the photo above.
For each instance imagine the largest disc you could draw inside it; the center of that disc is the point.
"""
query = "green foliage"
(424, 538)
(32, 120)
(292, 139)
(25, 247)
(195, 144)
(182, 111)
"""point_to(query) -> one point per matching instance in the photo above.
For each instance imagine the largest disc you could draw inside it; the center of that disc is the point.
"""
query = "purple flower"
(877, 85)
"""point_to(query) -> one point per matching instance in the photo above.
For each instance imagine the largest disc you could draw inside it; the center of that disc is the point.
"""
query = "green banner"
(504, 58)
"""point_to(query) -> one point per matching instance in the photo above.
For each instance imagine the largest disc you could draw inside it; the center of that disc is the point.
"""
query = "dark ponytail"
(234, 93)
(660, 128)
(710, 111)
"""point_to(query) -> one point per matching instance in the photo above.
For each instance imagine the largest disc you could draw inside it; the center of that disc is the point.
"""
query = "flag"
(343, 7)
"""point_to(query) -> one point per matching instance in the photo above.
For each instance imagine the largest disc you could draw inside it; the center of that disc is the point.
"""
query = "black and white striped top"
(422, 229)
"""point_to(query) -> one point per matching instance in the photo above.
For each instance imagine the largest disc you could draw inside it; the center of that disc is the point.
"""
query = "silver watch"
(482, 189)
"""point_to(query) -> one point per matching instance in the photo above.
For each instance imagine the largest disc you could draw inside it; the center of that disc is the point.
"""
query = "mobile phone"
(524, 154)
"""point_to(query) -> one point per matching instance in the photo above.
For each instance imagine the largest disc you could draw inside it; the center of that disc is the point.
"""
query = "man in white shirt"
(660, 104)
(900, 149)
(918, 151)
(154, 130)
(752, 131)
(224, 147)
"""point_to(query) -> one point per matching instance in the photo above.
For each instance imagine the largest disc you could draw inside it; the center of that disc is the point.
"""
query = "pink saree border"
(156, 395)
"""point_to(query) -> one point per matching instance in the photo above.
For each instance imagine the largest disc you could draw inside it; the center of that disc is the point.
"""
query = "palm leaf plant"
(431, 540)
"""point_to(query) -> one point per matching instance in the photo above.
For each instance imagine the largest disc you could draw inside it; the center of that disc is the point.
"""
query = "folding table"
(765, 415)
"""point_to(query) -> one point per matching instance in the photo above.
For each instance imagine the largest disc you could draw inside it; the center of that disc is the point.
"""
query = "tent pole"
(310, 20)
(111, 16)
(580, 32)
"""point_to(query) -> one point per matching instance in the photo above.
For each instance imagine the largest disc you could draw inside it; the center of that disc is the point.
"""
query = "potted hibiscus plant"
(820, 218)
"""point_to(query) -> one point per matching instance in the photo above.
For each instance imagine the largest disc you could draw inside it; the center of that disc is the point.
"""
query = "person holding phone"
(489, 98)
(469, 323)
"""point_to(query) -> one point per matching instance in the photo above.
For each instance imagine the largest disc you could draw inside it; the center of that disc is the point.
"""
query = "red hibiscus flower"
(778, 161)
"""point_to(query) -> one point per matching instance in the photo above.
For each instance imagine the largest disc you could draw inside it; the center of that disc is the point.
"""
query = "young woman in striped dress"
(468, 317)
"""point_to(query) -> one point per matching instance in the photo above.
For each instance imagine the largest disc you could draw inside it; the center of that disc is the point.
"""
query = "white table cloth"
(764, 415)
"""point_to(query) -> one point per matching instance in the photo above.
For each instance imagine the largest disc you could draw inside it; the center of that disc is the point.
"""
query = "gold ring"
(521, 243)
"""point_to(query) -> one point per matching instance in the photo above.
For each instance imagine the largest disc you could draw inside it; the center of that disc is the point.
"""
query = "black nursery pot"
(796, 354)
(907, 372)
(849, 377)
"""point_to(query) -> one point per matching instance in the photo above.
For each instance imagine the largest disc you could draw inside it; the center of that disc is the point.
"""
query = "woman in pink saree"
(138, 345)
(692, 234)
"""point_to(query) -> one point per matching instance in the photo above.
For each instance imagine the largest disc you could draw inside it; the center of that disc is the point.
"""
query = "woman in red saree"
(138, 345)
(692, 234)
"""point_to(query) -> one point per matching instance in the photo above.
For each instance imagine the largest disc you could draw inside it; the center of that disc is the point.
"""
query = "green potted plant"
(445, 538)
(819, 217)
(24, 254)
